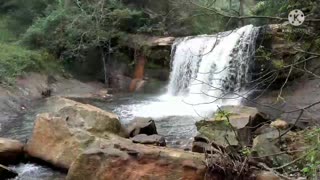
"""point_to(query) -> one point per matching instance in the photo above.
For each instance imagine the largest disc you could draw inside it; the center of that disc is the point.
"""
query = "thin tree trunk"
(104, 66)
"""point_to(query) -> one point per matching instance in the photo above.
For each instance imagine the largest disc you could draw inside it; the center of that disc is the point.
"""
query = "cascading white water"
(212, 69)
(207, 71)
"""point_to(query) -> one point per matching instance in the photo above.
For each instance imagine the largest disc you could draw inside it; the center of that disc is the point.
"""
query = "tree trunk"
(139, 71)
(104, 66)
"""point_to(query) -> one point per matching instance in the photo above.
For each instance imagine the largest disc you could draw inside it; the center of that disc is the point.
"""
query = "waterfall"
(207, 71)
(212, 68)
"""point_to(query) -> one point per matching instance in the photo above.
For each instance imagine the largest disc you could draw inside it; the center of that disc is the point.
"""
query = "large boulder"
(56, 142)
(266, 144)
(11, 151)
(121, 159)
(242, 116)
(92, 119)
(142, 126)
(85, 116)
(218, 131)
(152, 140)
(233, 130)
(87, 156)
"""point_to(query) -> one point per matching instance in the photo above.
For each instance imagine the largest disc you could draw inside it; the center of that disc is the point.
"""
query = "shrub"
(16, 60)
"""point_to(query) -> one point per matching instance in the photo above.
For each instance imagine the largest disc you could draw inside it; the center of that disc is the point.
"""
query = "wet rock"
(200, 144)
(11, 151)
(46, 93)
(200, 138)
(6, 173)
(142, 126)
(200, 147)
(150, 163)
(152, 139)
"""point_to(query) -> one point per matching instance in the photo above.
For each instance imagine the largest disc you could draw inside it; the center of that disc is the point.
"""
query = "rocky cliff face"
(285, 73)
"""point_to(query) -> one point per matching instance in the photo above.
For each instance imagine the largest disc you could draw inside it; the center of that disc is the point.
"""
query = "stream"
(207, 71)
(176, 124)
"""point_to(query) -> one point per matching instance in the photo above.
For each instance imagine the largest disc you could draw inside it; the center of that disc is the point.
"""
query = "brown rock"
(142, 126)
(266, 175)
(11, 151)
(92, 119)
(55, 141)
(148, 163)
(279, 124)
(85, 116)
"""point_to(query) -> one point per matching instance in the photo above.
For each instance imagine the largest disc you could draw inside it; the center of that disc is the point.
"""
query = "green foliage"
(246, 151)
(263, 53)
(22, 13)
(281, 8)
(312, 160)
(16, 60)
(222, 115)
(70, 32)
(6, 35)
(278, 64)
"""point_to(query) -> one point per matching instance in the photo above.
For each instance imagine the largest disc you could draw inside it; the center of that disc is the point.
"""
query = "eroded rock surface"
(120, 159)
(151, 140)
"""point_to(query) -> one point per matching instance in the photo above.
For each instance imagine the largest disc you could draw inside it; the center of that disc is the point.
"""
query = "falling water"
(207, 71)
(212, 69)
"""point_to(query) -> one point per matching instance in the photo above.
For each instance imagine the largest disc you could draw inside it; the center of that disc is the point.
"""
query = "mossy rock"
(219, 132)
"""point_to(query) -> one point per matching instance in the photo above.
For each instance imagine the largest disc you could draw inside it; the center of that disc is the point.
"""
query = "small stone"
(279, 124)
(265, 175)
(142, 126)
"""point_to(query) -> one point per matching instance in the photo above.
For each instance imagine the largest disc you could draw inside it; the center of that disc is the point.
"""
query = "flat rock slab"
(153, 139)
